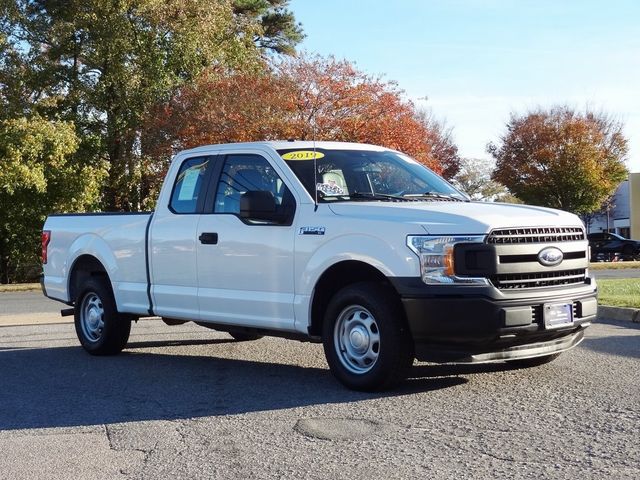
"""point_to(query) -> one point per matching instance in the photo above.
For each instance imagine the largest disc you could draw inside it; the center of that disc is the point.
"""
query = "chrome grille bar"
(537, 280)
(536, 235)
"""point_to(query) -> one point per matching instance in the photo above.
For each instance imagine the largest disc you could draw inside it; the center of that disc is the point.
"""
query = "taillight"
(46, 238)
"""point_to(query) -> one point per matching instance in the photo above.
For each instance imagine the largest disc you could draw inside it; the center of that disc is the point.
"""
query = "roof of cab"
(288, 145)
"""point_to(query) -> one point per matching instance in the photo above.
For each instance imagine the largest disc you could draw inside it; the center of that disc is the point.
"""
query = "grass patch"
(19, 287)
(613, 265)
(619, 292)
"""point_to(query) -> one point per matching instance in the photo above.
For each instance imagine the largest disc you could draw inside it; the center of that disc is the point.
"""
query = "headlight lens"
(437, 263)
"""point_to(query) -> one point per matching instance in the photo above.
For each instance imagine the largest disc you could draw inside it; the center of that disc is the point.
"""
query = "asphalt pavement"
(27, 302)
(185, 402)
(26, 308)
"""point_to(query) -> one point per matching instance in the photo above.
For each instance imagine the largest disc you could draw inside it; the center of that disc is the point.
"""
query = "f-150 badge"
(311, 231)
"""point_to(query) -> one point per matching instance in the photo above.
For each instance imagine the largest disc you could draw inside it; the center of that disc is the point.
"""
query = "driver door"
(245, 266)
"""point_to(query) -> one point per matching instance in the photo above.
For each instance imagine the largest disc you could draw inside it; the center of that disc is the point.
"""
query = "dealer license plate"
(558, 315)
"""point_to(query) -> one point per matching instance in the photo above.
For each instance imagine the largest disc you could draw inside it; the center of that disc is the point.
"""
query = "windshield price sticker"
(189, 183)
(330, 188)
(303, 155)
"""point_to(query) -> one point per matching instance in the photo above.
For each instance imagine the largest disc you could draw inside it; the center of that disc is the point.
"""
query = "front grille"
(510, 281)
(535, 235)
(534, 257)
(536, 314)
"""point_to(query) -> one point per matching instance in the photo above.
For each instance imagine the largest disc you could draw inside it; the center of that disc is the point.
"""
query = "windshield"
(349, 175)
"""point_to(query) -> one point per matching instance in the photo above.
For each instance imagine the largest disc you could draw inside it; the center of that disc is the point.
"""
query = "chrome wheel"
(357, 339)
(92, 317)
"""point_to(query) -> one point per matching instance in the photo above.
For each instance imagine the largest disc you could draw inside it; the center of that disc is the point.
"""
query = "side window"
(184, 198)
(244, 173)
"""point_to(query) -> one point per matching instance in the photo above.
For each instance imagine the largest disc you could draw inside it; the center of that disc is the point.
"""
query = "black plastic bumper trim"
(451, 323)
(436, 353)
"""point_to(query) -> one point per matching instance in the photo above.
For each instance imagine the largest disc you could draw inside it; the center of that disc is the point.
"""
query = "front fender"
(389, 257)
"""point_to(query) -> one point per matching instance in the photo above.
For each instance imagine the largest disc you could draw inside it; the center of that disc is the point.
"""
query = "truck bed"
(117, 240)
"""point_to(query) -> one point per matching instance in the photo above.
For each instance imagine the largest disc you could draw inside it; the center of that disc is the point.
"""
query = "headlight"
(437, 262)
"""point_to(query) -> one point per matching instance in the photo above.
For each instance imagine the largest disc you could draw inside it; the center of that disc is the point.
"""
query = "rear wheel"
(366, 341)
(533, 362)
(100, 328)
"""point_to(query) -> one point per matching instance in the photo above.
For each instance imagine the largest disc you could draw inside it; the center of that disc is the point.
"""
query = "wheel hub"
(359, 338)
(92, 317)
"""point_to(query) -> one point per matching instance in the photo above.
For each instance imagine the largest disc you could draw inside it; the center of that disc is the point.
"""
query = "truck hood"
(457, 217)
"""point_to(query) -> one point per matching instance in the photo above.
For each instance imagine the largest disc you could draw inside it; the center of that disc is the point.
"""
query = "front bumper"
(448, 326)
(529, 350)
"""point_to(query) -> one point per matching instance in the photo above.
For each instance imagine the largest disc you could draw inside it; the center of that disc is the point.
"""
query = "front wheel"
(366, 341)
(100, 328)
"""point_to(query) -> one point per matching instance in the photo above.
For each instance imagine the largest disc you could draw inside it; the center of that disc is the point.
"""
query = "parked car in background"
(609, 246)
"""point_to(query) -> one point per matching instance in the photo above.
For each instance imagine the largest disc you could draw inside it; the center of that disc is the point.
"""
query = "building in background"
(634, 202)
(622, 215)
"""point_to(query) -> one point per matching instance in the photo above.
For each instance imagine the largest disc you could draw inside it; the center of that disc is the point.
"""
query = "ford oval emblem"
(550, 256)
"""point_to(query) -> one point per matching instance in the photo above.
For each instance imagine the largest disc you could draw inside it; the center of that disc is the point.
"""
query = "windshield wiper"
(443, 196)
(409, 197)
(376, 196)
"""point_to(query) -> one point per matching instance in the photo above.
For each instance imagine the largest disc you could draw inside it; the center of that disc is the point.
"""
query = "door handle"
(208, 238)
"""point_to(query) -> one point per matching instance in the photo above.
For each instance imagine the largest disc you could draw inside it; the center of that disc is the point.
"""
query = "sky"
(474, 62)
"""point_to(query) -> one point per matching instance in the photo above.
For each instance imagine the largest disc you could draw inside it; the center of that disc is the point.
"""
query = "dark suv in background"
(608, 246)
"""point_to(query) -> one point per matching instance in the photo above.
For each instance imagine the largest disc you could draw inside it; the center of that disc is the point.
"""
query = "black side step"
(67, 312)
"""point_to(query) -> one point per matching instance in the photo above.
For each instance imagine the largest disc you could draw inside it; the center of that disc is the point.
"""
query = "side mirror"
(258, 205)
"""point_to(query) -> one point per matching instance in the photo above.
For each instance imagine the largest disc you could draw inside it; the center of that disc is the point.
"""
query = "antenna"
(315, 164)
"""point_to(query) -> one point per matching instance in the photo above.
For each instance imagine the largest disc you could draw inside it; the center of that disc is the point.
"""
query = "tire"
(245, 337)
(172, 322)
(533, 362)
(100, 328)
(366, 339)
(628, 253)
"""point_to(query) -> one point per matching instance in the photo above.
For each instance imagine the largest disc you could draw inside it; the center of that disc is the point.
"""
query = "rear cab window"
(187, 186)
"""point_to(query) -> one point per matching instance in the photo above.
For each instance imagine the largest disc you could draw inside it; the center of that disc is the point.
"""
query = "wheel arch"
(84, 267)
(335, 278)
(93, 253)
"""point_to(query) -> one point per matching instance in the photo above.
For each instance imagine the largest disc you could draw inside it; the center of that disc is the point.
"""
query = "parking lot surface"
(186, 402)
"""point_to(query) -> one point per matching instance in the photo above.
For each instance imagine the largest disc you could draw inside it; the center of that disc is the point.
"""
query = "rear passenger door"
(173, 241)
(245, 265)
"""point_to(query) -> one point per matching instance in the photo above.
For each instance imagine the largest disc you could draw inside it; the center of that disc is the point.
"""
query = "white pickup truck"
(355, 246)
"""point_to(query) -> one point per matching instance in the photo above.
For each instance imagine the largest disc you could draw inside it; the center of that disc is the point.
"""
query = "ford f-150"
(355, 246)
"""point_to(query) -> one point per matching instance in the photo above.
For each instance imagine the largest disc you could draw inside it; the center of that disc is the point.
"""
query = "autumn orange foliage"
(301, 98)
(562, 158)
